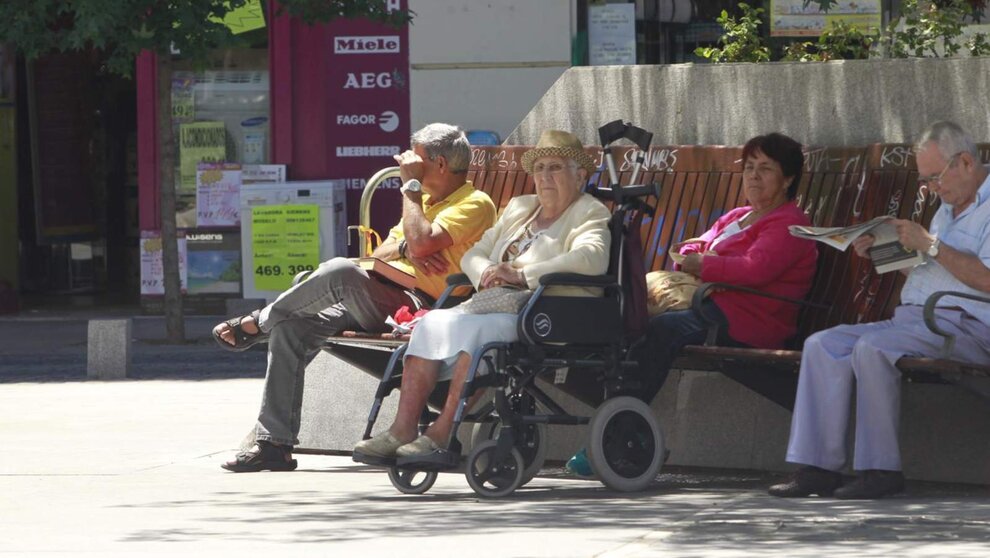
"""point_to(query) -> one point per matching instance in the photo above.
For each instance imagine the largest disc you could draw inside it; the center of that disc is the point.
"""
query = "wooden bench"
(840, 186)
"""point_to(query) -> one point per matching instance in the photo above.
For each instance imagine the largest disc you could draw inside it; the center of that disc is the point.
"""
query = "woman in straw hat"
(559, 229)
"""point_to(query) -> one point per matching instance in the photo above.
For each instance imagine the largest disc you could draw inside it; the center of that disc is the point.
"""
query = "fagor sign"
(383, 44)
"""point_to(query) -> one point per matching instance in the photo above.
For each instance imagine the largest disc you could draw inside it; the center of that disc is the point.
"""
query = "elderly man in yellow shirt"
(442, 217)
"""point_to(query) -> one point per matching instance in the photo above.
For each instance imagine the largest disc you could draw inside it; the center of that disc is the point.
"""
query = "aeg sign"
(382, 44)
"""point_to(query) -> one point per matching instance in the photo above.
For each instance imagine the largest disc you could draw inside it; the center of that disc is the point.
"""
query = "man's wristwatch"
(933, 249)
(403, 246)
(412, 185)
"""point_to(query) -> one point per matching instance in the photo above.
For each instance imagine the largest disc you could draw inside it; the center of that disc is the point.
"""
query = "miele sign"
(382, 44)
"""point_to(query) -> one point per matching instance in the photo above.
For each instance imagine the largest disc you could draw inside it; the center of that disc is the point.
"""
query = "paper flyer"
(218, 192)
(199, 142)
(152, 267)
(285, 239)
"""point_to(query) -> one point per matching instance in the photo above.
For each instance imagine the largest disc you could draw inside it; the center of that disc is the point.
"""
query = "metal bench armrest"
(707, 288)
(929, 315)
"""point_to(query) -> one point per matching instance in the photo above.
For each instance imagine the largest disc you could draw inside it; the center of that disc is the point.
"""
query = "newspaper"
(887, 253)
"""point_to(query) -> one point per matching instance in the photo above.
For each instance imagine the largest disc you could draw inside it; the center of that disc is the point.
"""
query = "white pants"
(860, 359)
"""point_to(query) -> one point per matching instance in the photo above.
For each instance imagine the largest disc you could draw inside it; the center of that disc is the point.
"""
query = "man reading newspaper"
(860, 359)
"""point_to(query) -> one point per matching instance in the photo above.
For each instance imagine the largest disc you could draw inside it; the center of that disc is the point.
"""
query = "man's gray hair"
(446, 140)
(949, 138)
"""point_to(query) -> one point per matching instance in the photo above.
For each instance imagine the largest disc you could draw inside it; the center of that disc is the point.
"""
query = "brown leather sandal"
(264, 456)
(242, 339)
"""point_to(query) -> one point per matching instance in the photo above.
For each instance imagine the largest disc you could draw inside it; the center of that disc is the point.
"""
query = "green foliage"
(932, 29)
(840, 41)
(741, 41)
(118, 30)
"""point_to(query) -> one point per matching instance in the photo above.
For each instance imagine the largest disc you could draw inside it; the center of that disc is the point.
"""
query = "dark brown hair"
(786, 151)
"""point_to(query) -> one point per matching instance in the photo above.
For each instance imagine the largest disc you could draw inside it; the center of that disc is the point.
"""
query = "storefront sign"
(285, 240)
(368, 108)
(218, 190)
(152, 267)
(612, 34)
(213, 262)
(797, 18)
(200, 142)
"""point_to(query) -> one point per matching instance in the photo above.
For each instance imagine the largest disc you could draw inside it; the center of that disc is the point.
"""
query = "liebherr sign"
(367, 117)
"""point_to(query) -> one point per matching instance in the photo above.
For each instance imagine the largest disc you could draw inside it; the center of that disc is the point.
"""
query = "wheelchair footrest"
(373, 460)
(437, 460)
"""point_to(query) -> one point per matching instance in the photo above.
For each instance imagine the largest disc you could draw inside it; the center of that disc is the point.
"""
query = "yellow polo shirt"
(465, 214)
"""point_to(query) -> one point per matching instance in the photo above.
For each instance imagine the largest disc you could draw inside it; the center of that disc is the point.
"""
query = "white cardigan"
(577, 242)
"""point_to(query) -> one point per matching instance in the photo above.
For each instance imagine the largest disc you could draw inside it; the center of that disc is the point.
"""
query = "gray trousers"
(337, 296)
(860, 359)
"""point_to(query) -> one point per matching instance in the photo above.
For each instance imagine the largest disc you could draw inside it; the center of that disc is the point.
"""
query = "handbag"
(496, 300)
(669, 290)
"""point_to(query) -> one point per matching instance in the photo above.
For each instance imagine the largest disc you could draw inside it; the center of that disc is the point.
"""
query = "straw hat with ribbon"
(558, 143)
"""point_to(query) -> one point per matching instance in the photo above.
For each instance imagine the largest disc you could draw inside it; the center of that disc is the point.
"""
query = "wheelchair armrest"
(454, 282)
(706, 288)
(577, 280)
(929, 316)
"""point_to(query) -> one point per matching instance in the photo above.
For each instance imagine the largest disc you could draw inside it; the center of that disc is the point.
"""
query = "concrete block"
(843, 102)
(336, 401)
(243, 306)
(108, 350)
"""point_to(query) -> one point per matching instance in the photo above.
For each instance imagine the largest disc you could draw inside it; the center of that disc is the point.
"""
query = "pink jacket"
(766, 257)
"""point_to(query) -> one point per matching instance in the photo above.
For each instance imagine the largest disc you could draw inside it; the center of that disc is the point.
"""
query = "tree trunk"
(174, 320)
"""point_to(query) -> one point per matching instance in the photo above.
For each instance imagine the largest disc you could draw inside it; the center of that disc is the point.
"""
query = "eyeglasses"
(936, 180)
(552, 168)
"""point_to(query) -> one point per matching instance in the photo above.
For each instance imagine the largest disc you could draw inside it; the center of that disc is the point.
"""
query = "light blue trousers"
(860, 360)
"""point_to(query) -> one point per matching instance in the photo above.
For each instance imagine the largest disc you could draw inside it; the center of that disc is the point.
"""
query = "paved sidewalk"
(128, 467)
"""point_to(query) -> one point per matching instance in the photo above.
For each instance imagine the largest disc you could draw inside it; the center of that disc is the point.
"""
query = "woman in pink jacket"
(750, 247)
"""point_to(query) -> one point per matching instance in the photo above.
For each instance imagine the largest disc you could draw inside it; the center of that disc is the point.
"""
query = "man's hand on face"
(434, 264)
(410, 165)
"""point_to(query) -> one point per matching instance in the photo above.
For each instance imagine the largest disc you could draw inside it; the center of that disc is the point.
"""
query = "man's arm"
(423, 238)
(968, 268)
(387, 251)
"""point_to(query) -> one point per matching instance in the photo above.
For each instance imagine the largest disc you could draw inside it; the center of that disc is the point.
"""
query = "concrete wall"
(483, 65)
(708, 420)
(854, 102)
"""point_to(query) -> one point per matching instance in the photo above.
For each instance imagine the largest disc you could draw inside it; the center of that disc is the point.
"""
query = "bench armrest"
(929, 315)
(707, 288)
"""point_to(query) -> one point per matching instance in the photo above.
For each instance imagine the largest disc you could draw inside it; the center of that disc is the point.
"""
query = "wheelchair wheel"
(626, 449)
(408, 481)
(493, 480)
(533, 457)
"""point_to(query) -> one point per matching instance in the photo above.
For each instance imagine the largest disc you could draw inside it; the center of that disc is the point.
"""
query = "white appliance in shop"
(329, 195)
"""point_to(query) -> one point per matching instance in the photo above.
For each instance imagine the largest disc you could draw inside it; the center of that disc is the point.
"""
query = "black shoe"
(807, 481)
(264, 456)
(873, 483)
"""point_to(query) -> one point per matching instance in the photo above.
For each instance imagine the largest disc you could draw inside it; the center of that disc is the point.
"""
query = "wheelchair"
(583, 345)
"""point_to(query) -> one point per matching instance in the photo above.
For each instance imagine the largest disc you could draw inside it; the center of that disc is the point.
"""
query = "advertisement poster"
(213, 262)
(199, 142)
(367, 118)
(257, 174)
(218, 195)
(152, 268)
(791, 18)
(285, 239)
(612, 34)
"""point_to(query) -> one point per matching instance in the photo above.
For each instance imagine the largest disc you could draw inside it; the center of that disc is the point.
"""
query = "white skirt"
(444, 334)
